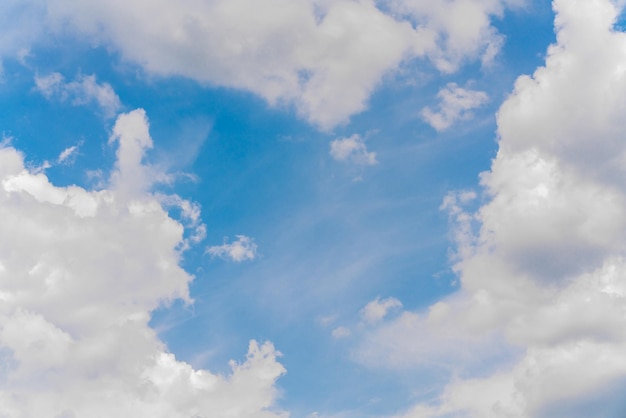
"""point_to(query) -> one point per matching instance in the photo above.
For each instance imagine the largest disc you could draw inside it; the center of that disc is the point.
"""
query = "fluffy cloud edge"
(353, 150)
(301, 56)
(538, 321)
(455, 104)
(83, 90)
(80, 276)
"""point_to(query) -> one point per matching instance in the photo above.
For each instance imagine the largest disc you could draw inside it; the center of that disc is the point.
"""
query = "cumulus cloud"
(455, 103)
(80, 273)
(378, 309)
(190, 213)
(82, 91)
(462, 27)
(241, 250)
(352, 149)
(540, 314)
(323, 57)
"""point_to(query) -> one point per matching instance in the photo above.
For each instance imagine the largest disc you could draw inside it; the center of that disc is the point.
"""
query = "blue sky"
(398, 208)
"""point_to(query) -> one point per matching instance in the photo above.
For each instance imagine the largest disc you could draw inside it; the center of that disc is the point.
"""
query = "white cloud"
(190, 213)
(462, 27)
(80, 275)
(327, 320)
(455, 104)
(540, 319)
(352, 149)
(378, 309)
(341, 332)
(324, 57)
(131, 133)
(49, 85)
(21, 24)
(241, 250)
(84, 90)
(68, 154)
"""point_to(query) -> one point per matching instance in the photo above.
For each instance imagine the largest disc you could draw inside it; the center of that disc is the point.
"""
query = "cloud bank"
(538, 328)
(79, 276)
(323, 57)
(240, 250)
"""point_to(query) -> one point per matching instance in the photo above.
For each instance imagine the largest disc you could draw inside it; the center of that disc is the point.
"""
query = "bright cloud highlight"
(456, 103)
(82, 91)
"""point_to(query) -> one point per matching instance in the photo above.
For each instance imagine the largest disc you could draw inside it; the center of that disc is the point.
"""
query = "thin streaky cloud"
(242, 249)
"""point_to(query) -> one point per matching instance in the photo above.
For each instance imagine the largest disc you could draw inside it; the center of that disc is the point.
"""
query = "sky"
(312, 209)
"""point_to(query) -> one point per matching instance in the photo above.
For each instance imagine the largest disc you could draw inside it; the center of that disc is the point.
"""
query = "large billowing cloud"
(325, 57)
(542, 263)
(80, 272)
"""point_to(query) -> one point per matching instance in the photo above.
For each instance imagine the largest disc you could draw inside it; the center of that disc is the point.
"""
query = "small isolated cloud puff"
(377, 310)
(456, 103)
(352, 149)
(84, 90)
(131, 175)
(341, 332)
(68, 155)
(327, 320)
(241, 250)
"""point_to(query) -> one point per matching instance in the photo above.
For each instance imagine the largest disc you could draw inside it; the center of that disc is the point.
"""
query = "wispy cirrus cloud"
(353, 150)
(341, 332)
(68, 155)
(378, 309)
(82, 91)
(455, 103)
(242, 249)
